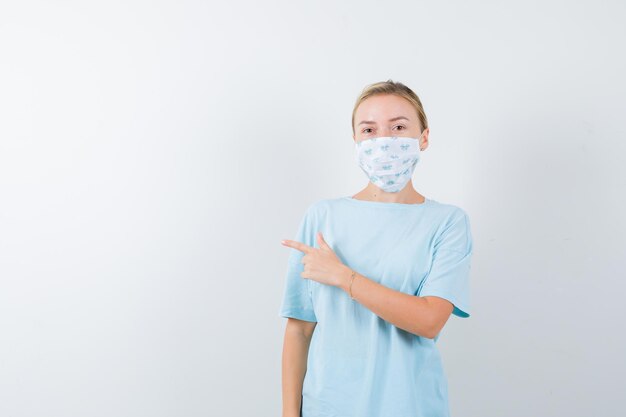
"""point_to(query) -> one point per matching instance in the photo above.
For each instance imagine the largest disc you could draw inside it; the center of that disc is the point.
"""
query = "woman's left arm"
(423, 316)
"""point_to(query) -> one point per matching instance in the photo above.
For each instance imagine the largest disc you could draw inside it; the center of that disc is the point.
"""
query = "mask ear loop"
(418, 139)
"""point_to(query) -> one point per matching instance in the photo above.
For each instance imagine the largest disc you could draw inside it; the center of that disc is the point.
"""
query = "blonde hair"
(396, 88)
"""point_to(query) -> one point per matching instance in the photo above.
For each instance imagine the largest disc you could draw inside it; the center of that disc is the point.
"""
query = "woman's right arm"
(298, 335)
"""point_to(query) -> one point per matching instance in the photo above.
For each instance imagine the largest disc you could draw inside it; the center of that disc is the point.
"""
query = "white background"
(154, 154)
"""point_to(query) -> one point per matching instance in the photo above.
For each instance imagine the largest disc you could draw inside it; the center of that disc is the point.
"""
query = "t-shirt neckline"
(427, 201)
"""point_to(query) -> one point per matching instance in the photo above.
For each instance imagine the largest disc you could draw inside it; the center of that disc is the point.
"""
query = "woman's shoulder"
(449, 214)
(449, 208)
(320, 205)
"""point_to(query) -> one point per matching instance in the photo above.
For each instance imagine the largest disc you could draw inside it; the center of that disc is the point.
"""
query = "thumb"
(322, 243)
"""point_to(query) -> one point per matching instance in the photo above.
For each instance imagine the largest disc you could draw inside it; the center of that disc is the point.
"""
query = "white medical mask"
(388, 161)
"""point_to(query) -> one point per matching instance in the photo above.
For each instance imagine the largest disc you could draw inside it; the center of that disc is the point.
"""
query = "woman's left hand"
(321, 265)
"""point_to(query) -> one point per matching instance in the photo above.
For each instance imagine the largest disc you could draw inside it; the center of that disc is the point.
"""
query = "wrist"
(345, 278)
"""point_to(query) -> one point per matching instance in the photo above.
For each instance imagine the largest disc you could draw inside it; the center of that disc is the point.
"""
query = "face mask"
(388, 161)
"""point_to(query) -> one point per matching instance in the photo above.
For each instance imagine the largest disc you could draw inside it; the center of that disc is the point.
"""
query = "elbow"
(432, 329)
(432, 334)
(429, 332)
(428, 322)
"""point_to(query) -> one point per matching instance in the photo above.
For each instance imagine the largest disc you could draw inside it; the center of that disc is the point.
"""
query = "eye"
(367, 128)
(401, 127)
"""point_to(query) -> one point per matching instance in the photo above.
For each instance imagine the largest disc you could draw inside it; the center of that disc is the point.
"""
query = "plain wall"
(154, 154)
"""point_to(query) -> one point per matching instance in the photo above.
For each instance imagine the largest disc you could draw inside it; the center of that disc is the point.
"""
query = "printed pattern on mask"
(388, 162)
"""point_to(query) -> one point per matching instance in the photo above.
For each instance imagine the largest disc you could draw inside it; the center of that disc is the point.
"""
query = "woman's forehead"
(381, 109)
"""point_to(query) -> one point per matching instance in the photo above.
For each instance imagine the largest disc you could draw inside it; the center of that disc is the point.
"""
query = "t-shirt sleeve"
(297, 301)
(449, 275)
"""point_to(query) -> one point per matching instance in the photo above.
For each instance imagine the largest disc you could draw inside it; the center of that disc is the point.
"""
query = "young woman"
(373, 278)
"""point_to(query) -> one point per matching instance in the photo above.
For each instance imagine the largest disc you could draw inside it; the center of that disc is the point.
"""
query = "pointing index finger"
(297, 245)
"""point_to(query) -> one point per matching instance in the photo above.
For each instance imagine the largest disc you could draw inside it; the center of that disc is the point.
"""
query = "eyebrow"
(391, 120)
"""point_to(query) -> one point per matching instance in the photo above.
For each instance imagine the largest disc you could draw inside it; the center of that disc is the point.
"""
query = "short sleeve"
(449, 275)
(296, 301)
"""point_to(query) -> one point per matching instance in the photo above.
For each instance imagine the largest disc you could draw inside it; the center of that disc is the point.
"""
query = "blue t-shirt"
(360, 365)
